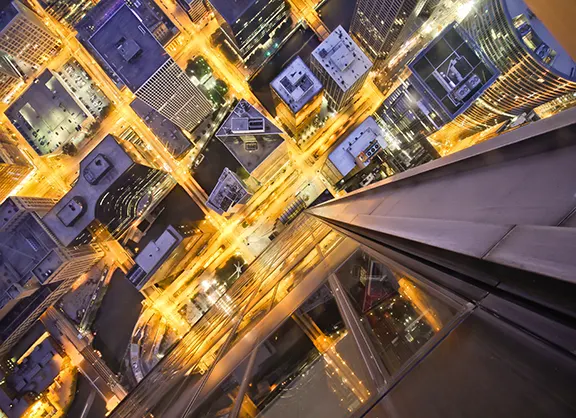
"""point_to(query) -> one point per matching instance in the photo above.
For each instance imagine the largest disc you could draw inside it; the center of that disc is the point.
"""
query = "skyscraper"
(253, 140)
(10, 74)
(247, 24)
(11, 175)
(24, 36)
(196, 9)
(297, 94)
(130, 50)
(408, 115)
(68, 12)
(36, 268)
(378, 23)
(534, 68)
(112, 189)
(341, 67)
(355, 152)
(379, 300)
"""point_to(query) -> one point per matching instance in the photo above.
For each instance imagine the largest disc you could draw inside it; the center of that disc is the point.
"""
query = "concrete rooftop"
(296, 85)
(129, 48)
(342, 59)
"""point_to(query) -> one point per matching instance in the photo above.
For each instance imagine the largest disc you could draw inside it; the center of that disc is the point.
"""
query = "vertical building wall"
(11, 175)
(508, 201)
(524, 83)
(27, 38)
(377, 23)
(253, 25)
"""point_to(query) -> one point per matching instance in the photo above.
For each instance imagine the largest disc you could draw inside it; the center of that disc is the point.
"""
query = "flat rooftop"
(46, 115)
(249, 135)
(344, 156)
(21, 251)
(342, 59)
(296, 85)
(228, 192)
(165, 130)
(539, 36)
(7, 13)
(99, 170)
(155, 252)
(231, 10)
(129, 48)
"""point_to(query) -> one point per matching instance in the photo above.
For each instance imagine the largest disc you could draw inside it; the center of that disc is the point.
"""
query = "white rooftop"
(296, 85)
(345, 154)
(342, 58)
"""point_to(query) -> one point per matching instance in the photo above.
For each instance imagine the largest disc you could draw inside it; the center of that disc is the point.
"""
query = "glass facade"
(526, 80)
(313, 328)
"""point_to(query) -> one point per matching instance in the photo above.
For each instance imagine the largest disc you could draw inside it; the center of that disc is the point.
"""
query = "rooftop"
(228, 192)
(155, 252)
(38, 370)
(7, 13)
(342, 59)
(540, 40)
(345, 156)
(231, 10)
(22, 251)
(296, 85)
(129, 48)
(46, 115)
(165, 130)
(99, 170)
(249, 135)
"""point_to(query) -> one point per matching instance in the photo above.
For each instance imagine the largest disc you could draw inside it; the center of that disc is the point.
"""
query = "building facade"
(373, 304)
(247, 24)
(172, 94)
(376, 24)
(196, 9)
(36, 268)
(10, 75)
(11, 176)
(68, 12)
(24, 36)
(534, 68)
(137, 60)
(341, 66)
(408, 115)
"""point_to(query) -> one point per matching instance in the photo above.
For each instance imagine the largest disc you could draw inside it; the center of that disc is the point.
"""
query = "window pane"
(399, 313)
(309, 367)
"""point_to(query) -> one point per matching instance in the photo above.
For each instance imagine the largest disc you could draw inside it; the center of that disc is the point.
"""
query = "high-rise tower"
(246, 24)
(134, 55)
(24, 36)
(377, 24)
(534, 68)
(36, 268)
(341, 67)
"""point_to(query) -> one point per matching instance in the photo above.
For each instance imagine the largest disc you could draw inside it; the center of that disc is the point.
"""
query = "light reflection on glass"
(309, 367)
(399, 315)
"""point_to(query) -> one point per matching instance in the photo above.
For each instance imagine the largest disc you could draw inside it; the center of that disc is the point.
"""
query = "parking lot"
(83, 88)
(47, 115)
